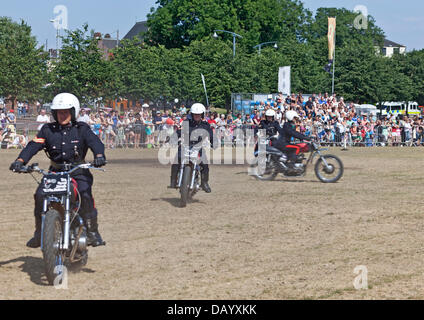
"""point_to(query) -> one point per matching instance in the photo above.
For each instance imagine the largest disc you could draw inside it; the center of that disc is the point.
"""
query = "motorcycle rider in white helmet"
(270, 125)
(66, 141)
(283, 143)
(195, 122)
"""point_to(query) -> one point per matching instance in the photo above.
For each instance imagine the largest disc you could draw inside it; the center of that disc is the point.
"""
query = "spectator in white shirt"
(278, 116)
(83, 117)
(42, 118)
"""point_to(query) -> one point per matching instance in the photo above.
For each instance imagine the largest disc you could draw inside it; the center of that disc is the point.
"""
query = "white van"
(399, 108)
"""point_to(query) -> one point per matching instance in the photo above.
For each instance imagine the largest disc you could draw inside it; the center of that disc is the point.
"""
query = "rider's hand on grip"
(99, 162)
(16, 166)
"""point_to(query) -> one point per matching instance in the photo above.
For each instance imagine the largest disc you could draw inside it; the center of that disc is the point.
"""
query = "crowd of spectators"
(9, 138)
(326, 117)
(332, 121)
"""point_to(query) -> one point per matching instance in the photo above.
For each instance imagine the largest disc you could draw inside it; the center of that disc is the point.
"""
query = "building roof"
(388, 43)
(138, 28)
(108, 43)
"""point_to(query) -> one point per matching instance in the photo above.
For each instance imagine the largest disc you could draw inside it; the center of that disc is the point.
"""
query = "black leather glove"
(16, 166)
(99, 162)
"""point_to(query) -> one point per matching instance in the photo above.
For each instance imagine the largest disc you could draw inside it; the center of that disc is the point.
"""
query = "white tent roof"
(369, 106)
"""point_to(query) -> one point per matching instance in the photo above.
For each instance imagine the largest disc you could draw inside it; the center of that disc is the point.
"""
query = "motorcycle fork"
(67, 215)
(180, 177)
(43, 217)
(322, 159)
(193, 176)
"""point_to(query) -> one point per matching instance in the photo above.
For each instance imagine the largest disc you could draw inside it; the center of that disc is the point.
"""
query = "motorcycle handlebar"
(35, 168)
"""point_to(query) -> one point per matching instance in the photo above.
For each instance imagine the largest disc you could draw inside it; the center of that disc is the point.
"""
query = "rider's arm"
(278, 128)
(93, 142)
(288, 130)
(211, 138)
(34, 145)
(259, 126)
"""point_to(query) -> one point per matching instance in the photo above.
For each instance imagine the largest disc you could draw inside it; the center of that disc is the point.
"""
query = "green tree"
(215, 61)
(23, 66)
(82, 69)
(177, 23)
(354, 75)
(411, 65)
(346, 32)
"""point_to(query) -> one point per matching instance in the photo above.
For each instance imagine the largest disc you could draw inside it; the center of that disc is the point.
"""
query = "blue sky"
(402, 21)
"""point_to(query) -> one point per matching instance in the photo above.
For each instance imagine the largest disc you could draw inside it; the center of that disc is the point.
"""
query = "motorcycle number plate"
(53, 184)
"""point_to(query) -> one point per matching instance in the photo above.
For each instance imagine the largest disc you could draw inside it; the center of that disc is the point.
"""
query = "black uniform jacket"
(288, 132)
(64, 144)
(271, 127)
(193, 126)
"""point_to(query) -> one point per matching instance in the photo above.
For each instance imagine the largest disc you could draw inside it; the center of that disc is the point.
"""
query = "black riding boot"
(35, 241)
(174, 175)
(205, 186)
(93, 236)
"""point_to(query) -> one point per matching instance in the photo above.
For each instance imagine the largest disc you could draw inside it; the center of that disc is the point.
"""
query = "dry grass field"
(285, 239)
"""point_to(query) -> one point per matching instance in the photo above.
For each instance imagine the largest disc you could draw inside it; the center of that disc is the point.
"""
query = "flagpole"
(334, 58)
(206, 93)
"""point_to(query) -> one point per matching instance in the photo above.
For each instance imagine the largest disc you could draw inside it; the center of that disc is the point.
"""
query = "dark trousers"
(143, 135)
(290, 150)
(87, 209)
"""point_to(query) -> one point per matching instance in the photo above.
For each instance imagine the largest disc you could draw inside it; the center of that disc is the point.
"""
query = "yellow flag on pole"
(331, 37)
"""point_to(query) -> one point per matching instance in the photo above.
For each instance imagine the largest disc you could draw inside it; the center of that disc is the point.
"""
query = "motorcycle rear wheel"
(53, 258)
(269, 173)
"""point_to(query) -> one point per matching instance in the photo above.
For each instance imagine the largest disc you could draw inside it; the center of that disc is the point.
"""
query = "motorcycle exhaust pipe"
(282, 166)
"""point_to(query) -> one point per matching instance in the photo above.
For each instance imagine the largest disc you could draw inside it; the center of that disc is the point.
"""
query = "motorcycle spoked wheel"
(269, 173)
(333, 172)
(54, 259)
(185, 186)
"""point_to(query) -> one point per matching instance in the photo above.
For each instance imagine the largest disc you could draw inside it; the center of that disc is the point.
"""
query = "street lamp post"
(57, 38)
(259, 46)
(117, 37)
(234, 38)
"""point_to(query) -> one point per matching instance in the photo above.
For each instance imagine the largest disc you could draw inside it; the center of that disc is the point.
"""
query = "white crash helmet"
(197, 108)
(64, 101)
(270, 113)
(290, 115)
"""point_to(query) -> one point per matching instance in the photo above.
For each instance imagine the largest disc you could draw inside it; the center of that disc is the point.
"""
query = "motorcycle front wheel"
(330, 173)
(185, 186)
(52, 255)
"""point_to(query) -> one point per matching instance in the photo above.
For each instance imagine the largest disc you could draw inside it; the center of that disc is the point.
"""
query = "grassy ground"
(286, 239)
